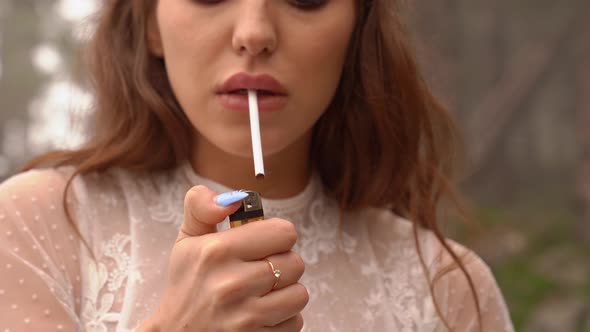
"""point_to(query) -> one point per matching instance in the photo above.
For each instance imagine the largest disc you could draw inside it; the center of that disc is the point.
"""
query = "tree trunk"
(519, 83)
(583, 184)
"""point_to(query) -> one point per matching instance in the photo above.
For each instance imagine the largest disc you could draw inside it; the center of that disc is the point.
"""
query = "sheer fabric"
(363, 272)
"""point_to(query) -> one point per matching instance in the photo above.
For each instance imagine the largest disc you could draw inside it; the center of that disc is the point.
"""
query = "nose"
(254, 30)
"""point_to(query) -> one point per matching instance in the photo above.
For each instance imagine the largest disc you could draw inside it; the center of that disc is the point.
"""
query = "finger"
(257, 240)
(201, 212)
(291, 269)
(279, 305)
(259, 277)
(256, 279)
(290, 325)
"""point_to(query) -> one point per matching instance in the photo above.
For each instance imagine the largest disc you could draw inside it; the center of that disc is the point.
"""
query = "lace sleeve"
(456, 299)
(38, 255)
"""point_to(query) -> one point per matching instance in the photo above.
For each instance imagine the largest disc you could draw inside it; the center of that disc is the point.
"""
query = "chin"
(242, 146)
(246, 151)
(239, 142)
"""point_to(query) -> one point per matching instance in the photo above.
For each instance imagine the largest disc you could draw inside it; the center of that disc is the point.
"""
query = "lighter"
(250, 210)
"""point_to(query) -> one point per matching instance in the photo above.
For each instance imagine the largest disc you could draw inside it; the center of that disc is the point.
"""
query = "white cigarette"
(255, 132)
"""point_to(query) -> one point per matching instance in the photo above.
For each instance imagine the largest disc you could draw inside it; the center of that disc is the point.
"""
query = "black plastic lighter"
(250, 210)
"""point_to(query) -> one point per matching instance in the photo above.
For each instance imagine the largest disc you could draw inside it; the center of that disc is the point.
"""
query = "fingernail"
(229, 198)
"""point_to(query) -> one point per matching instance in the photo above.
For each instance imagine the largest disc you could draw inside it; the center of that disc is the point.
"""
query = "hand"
(222, 282)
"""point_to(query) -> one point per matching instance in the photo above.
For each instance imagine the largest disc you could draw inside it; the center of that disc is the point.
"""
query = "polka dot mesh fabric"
(362, 269)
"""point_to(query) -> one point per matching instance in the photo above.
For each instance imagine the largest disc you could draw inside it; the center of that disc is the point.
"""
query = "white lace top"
(363, 272)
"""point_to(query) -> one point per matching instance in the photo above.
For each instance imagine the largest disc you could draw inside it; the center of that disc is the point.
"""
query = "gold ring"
(275, 272)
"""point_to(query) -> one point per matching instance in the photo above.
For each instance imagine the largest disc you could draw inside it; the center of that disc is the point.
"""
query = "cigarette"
(255, 133)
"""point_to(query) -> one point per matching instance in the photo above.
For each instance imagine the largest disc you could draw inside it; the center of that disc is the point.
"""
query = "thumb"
(204, 209)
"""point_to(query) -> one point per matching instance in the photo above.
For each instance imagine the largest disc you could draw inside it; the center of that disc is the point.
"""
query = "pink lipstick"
(233, 93)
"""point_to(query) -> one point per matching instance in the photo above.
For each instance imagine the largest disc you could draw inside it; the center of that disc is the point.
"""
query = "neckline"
(285, 205)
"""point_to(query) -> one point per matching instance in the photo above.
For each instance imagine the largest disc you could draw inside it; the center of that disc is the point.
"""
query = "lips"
(242, 82)
(232, 94)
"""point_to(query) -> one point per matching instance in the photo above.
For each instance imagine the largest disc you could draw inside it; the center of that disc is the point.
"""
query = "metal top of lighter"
(250, 210)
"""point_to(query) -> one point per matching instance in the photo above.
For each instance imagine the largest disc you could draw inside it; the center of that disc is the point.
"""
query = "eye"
(308, 4)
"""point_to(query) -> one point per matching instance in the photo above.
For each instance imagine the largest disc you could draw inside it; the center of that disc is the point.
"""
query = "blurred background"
(516, 73)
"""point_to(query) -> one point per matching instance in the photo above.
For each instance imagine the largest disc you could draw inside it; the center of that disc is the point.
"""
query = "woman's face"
(292, 51)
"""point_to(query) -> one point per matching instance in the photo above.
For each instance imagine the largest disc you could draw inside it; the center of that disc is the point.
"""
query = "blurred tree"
(20, 81)
(582, 59)
(37, 94)
(503, 68)
(519, 83)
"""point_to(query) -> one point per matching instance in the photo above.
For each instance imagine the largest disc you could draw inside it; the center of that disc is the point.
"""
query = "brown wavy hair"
(385, 140)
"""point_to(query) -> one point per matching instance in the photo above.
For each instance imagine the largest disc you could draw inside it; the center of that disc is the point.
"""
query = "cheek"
(185, 56)
(189, 50)
(321, 63)
(317, 75)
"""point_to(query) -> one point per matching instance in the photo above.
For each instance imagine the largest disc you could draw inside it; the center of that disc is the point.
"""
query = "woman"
(121, 234)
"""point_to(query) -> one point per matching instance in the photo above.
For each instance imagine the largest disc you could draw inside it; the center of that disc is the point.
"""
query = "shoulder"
(50, 183)
(48, 205)
(385, 226)
(35, 185)
(442, 256)
(44, 191)
(459, 276)
(34, 223)
(34, 199)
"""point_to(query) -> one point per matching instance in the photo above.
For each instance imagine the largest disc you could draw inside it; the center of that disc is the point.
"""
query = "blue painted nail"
(229, 198)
